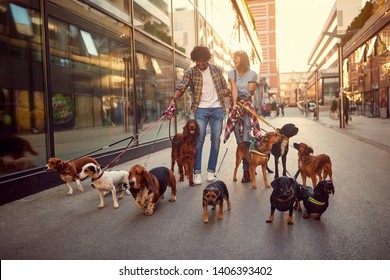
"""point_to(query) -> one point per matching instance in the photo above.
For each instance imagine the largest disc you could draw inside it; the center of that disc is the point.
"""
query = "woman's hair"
(200, 52)
(244, 60)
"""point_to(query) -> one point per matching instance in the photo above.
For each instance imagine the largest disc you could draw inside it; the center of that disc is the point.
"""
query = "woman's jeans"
(203, 116)
(245, 137)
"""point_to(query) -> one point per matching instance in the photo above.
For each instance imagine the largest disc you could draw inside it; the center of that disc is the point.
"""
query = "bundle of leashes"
(168, 113)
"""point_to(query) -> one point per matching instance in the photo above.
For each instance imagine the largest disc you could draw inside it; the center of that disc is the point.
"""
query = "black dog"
(280, 149)
(283, 197)
(315, 200)
(213, 195)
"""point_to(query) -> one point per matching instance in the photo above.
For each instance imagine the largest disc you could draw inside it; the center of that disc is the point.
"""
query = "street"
(52, 225)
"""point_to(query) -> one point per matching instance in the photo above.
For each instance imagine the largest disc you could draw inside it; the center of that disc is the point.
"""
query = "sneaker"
(210, 177)
(197, 179)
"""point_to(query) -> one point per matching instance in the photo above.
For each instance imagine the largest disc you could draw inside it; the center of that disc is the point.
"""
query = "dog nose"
(131, 183)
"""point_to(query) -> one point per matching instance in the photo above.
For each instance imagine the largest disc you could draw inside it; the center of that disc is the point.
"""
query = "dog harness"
(253, 151)
(316, 202)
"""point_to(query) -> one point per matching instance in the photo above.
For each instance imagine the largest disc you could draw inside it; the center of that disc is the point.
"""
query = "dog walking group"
(147, 187)
(208, 92)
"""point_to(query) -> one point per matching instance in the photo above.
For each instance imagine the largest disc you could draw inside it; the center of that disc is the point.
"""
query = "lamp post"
(341, 84)
(317, 110)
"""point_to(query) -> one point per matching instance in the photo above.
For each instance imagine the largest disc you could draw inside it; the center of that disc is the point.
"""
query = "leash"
(168, 113)
(152, 148)
(257, 116)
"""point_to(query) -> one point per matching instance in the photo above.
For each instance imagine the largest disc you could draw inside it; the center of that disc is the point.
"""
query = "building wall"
(263, 12)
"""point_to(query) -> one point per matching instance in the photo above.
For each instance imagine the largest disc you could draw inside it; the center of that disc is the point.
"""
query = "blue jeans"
(203, 116)
(245, 137)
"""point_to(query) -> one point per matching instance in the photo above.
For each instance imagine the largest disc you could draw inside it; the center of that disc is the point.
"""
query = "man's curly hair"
(200, 52)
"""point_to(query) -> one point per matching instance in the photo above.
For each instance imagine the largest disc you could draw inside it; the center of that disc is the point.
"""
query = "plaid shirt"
(237, 117)
(193, 78)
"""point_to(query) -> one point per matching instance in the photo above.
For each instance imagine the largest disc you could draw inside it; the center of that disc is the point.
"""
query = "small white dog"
(105, 181)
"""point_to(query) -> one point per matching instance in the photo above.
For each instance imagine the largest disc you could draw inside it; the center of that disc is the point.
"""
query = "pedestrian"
(243, 86)
(208, 89)
(346, 108)
(282, 107)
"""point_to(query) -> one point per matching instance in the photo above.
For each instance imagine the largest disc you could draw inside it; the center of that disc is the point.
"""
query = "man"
(208, 87)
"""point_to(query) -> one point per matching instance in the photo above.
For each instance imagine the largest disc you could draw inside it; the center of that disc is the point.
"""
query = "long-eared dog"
(106, 181)
(257, 155)
(69, 170)
(213, 195)
(147, 187)
(312, 166)
(315, 200)
(280, 149)
(184, 150)
(283, 197)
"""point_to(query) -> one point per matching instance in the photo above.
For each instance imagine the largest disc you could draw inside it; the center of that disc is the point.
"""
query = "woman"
(243, 86)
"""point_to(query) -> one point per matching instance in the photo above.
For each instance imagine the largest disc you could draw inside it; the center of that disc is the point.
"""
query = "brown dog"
(258, 155)
(147, 187)
(69, 170)
(312, 166)
(213, 195)
(184, 150)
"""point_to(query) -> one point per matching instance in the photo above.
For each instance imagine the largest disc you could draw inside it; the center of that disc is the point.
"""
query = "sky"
(298, 26)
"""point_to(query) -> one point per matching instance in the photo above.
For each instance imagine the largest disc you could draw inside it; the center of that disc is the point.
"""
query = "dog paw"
(172, 199)
(306, 216)
(268, 221)
(148, 213)
(206, 220)
(101, 206)
(116, 206)
(220, 217)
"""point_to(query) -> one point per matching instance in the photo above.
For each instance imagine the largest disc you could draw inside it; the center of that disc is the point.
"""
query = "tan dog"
(258, 155)
(312, 166)
(69, 170)
(147, 187)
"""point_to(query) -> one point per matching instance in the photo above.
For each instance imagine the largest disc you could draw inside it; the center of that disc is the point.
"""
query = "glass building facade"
(77, 76)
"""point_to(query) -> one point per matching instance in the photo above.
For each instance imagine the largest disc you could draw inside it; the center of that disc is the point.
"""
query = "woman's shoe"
(246, 178)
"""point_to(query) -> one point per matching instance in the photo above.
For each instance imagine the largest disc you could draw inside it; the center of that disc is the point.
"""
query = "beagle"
(69, 170)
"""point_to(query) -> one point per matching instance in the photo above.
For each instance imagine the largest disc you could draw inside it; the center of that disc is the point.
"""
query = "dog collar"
(312, 200)
(100, 176)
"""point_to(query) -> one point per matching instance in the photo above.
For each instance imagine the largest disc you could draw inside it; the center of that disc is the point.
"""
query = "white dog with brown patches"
(105, 181)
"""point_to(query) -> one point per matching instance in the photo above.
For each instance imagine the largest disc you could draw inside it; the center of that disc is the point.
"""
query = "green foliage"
(359, 21)
(273, 106)
(334, 106)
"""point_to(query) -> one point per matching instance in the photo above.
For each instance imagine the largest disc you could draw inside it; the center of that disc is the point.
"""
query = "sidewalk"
(374, 131)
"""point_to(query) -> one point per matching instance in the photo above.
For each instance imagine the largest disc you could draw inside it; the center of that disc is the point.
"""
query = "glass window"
(22, 123)
(91, 80)
(184, 26)
(154, 18)
(154, 85)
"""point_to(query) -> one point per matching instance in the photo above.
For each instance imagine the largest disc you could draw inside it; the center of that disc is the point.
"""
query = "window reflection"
(154, 18)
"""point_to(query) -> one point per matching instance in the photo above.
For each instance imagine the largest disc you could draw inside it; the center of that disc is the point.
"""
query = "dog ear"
(150, 182)
(92, 168)
(309, 150)
(275, 183)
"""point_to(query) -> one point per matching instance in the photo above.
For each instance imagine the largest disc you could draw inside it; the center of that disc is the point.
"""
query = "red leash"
(167, 113)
